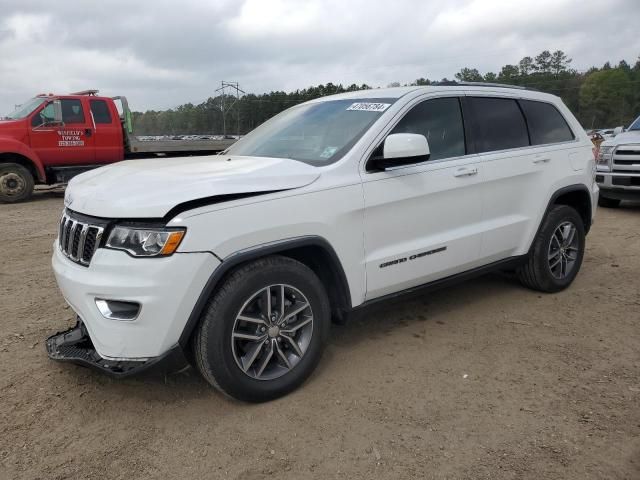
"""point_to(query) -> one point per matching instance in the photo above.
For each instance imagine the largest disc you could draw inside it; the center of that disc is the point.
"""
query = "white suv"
(239, 262)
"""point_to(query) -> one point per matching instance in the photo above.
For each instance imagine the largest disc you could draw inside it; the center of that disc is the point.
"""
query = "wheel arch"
(578, 197)
(32, 164)
(313, 251)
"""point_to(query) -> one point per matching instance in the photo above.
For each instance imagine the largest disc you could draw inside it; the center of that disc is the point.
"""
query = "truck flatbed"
(171, 146)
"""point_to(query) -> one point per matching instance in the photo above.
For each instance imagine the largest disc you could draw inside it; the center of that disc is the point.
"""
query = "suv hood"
(632, 136)
(151, 188)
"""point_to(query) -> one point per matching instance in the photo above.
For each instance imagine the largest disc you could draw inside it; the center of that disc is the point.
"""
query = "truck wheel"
(16, 183)
(556, 253)
(608, 202)
(263, 332)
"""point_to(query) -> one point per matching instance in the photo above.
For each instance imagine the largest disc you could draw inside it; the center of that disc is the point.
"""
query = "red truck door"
(108, 138)
(67, 145)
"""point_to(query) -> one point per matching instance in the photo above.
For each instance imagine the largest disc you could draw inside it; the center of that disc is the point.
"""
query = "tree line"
(600, 97)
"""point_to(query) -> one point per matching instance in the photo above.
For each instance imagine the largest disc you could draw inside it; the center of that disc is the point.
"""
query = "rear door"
(67, 145)
(423, 222)
(518, 175)
(109, 144)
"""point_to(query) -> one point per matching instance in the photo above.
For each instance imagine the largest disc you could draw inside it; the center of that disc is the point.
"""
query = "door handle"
(538, 161)
(465, 172)
(87, 132)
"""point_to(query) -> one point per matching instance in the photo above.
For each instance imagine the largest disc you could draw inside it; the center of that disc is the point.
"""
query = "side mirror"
(618, 131)
(402, 149)
(57, 112)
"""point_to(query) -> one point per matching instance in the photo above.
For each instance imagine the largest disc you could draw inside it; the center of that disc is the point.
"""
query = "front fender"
(10, 145)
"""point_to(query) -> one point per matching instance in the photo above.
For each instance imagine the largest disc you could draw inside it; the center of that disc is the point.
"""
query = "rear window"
(546, 124)
(100, 111)
(499, 124)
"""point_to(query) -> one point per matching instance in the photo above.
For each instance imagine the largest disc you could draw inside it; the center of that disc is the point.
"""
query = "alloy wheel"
(563, 250)
(272, 332)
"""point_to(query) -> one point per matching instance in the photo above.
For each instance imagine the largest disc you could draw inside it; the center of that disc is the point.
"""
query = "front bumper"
(75, 346)
(166, 288)
(619, 186)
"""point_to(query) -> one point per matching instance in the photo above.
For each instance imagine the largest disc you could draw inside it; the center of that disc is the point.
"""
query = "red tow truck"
(50, 138)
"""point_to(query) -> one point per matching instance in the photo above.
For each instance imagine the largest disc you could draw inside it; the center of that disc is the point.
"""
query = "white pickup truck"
(618, 167)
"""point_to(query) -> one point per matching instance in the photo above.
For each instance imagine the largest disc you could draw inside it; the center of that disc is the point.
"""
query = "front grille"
(78, 238)
(626, 158)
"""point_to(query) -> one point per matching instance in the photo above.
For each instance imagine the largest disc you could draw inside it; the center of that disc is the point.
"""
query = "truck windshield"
(24, 110)
(316, 133)
(635, 125)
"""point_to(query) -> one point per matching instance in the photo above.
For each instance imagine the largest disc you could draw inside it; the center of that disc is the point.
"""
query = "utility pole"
(225, 107)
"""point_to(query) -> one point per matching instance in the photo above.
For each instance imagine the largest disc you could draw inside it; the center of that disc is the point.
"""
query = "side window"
(440, 120)
(72, 111)
(100, 111)
(45, 115)
(499, 124)
(546, 124)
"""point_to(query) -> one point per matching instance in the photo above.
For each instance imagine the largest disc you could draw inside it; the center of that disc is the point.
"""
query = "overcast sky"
(164, 53)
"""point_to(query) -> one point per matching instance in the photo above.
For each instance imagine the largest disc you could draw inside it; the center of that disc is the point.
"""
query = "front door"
(424, 222)
(67, 145)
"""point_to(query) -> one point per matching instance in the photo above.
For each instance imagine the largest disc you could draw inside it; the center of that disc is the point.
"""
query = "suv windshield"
(635, 125)
(316, 133)
(24, 110)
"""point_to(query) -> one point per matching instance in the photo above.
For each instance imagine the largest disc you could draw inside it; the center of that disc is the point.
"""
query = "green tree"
(559, 62)
(543, 62)
(605, 97)
(469, 75)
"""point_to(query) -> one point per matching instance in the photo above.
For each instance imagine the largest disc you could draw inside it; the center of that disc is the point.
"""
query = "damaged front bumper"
(74, 346)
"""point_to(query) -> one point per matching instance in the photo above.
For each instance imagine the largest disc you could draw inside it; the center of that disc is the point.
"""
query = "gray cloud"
(161, 54)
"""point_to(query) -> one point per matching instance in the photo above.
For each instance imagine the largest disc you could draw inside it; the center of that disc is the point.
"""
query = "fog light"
(118, 310)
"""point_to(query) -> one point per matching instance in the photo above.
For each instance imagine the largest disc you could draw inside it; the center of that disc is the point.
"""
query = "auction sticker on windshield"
(369, 107)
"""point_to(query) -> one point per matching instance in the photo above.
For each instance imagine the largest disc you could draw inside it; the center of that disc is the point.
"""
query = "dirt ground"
(485, 380)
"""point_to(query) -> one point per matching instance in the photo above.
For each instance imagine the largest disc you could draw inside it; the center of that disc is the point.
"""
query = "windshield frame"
(296, 112)
(26, 109)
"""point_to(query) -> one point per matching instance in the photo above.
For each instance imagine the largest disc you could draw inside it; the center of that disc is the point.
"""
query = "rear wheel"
(608, 202)
(264, 330)
(16, 183)
(557, 251)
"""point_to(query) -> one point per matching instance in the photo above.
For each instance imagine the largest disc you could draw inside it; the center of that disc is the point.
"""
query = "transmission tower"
(225, 106)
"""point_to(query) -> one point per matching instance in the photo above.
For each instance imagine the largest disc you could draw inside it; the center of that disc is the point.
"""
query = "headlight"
(603, 162)
(145, 242)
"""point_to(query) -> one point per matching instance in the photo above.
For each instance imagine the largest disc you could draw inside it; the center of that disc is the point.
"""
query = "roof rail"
(453, 83)
(86, 92)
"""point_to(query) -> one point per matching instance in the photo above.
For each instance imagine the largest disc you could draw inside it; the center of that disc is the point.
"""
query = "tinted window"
(100, 111)
(546, 124)
(499, 124)
(440, 120)
(72, 111)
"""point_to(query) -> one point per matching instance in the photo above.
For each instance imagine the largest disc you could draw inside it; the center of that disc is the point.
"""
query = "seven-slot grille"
(78, 240)
(626, 158)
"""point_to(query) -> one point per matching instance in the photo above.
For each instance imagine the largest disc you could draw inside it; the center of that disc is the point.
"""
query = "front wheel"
(263, 332)
(16, 183)
(557, 251)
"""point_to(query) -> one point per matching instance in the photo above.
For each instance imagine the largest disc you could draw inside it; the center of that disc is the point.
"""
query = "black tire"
(212, 341)
(537, 272)
(608, 202)
(16, 183)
